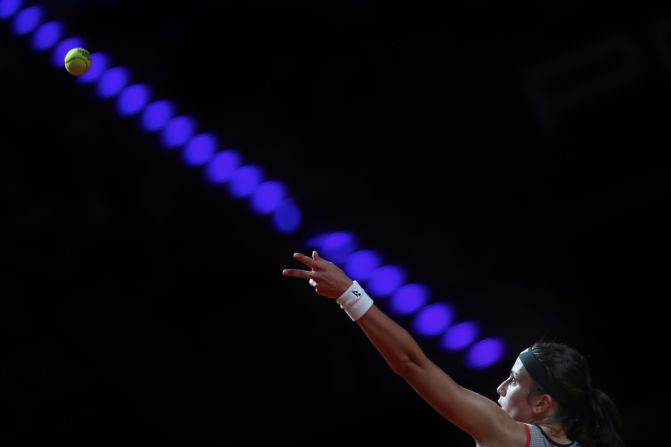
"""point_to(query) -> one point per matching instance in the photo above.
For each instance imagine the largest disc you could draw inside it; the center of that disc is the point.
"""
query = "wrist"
(355, 301)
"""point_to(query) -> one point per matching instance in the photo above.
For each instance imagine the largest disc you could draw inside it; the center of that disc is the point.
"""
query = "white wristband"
(355, 301)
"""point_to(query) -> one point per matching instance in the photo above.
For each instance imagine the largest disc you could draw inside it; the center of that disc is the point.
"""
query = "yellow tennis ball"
(77, 61)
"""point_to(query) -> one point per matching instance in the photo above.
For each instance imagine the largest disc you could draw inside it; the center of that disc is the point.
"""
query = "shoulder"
(518, 435)
(537, 438)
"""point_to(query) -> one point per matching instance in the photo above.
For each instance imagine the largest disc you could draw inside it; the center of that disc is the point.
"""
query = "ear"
(542, 403)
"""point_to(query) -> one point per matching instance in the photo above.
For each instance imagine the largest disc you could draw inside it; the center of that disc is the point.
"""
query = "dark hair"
(590, 415)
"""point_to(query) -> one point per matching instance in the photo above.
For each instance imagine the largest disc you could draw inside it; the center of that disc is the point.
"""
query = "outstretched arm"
(477, 415)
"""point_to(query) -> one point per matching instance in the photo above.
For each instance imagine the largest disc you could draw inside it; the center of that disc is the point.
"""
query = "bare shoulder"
(515, 434)
(479, 416)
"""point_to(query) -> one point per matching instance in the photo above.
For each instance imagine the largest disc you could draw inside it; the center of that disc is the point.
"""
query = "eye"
(513, 380)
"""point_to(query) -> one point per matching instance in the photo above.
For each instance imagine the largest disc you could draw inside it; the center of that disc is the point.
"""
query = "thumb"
(315, 255)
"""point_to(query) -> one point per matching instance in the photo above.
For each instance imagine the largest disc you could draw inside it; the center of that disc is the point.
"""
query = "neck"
(555, 431)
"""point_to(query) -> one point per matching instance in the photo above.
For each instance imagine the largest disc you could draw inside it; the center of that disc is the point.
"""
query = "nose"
(501, 390)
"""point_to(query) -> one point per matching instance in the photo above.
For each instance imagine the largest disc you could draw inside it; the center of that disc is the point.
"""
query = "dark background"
(512, 159)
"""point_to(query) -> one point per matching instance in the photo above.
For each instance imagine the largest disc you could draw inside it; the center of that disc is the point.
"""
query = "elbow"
(406, 367)
(408, 362)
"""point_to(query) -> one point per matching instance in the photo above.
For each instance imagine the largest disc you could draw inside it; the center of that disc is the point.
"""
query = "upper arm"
(477, 415)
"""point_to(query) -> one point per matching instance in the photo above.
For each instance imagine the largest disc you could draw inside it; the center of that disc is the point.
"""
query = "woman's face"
(514, 394)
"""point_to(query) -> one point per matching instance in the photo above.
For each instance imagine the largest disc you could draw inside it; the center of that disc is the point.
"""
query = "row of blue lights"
(224, 166)
(388, 282)
(176, 132)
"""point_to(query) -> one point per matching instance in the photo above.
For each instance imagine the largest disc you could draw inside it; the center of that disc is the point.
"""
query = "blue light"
(409, 299)
(287, 217)
(112, 82)
(361, 264)
(245, 180)
(485, 353)
(433, 319)
(200, 149)
(460, 336)
(221, 167)
(177, 131)
(157, 114)
(99, 64)
(133, 99)
(386, 280)
(336, 247)
(47, 35)
(268, 196)
(8, 8)
(316, 241)
(58, 55)
(27, 20)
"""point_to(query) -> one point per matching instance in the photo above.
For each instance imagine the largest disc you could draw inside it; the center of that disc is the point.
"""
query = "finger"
(295, 273)
(315, 255)
(300, 257)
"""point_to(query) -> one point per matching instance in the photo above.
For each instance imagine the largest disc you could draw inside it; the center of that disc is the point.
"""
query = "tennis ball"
(77, 61)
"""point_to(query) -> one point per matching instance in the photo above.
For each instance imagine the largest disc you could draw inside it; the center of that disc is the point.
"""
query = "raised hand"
(326, 277)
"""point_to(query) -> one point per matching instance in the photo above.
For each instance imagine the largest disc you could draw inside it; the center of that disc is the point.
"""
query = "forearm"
(396, 345)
